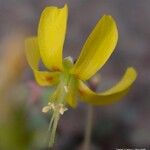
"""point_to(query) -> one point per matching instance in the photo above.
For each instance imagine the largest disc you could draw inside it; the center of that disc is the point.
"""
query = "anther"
(45, 109)
(51, 106)
(62, 109)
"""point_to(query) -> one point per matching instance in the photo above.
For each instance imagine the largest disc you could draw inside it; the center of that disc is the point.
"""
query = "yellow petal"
(72, 92)
(97, 49)
(51, 36)
(112, 95)
(71, 99)
(44, 78)
(32, 52)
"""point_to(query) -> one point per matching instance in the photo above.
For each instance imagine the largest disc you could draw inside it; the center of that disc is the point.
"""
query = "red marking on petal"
(49, 79)
(82, 93)
(55, 68)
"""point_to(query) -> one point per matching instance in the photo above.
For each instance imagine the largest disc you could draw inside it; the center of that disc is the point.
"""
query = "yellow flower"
(69, 78)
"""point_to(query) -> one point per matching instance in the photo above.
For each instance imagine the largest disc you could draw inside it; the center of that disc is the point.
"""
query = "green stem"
(88, 130)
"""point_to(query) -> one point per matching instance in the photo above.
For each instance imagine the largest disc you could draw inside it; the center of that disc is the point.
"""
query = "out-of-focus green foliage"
(16, 133)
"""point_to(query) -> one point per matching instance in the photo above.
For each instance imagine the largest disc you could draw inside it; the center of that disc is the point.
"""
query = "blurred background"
(125, 124)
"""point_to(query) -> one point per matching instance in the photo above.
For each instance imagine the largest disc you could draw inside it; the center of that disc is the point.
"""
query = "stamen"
(53, 127)
(57, 109)
(51, 105)
(62, 109)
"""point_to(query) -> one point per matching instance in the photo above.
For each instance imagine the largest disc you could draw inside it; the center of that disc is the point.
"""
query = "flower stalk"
(88, 130)
(53, 127)
(93, 83)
